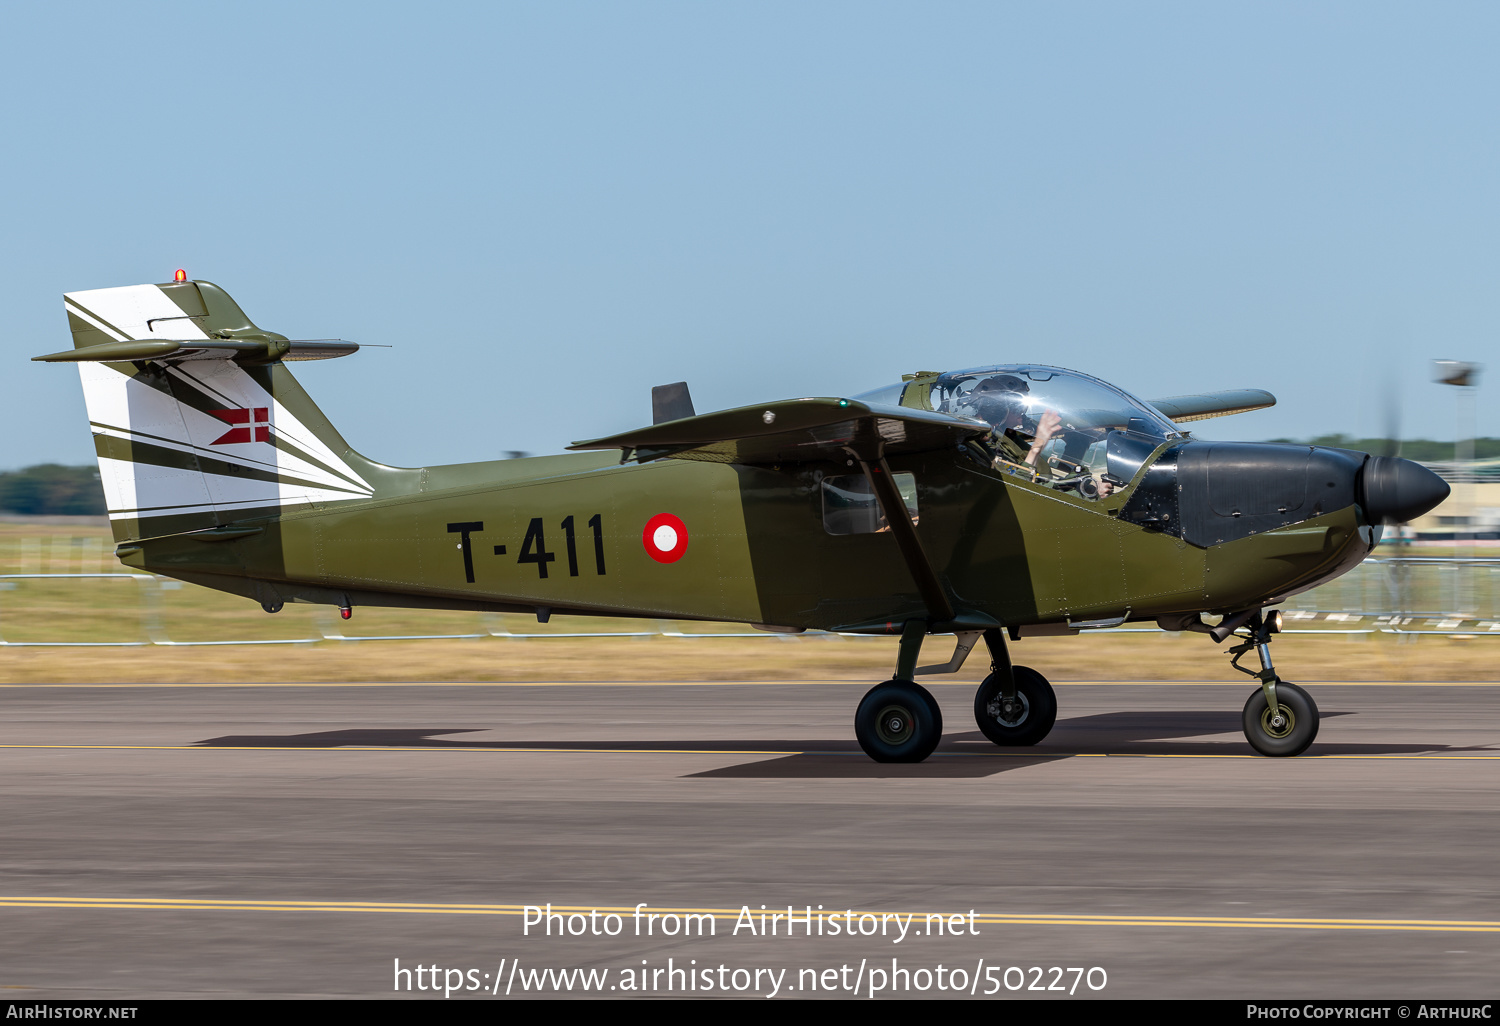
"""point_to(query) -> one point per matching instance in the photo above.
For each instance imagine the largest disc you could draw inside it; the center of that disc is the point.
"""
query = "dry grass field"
(1142, 657)
(135, 613)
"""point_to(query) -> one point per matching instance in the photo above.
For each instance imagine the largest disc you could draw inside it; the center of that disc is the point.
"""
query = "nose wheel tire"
(1028, 719)
(898, 721)
(1288, 731)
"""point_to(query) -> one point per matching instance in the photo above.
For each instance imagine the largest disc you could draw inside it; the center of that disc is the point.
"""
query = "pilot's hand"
(1048, 426)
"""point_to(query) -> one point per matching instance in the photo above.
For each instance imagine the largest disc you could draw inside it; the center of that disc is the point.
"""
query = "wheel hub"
(1010, 712)
(895, 724)
(1279, 724)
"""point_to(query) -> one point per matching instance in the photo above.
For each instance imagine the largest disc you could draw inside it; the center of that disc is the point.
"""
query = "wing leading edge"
(1183, 408)
(792, 431)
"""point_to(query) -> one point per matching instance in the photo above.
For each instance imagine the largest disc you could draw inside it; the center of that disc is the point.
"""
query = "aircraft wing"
(792, 431)
(1181, 408)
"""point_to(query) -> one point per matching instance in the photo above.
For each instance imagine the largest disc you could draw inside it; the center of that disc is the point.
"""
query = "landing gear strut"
(1280, 719)
(899, 721)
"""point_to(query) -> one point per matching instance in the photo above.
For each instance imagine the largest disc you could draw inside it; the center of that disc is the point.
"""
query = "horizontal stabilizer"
(1182, 408)
(203, 349)
(792, 431)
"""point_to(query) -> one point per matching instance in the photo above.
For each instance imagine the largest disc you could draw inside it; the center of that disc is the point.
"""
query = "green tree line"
(1421, 449)
(51, 489)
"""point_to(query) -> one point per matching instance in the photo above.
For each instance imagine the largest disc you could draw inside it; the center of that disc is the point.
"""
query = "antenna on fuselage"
(671, 402)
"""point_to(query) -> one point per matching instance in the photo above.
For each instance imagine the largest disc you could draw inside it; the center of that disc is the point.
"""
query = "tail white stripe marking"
(144, 311)
(309, 473)
(120, 406)
(170, 488)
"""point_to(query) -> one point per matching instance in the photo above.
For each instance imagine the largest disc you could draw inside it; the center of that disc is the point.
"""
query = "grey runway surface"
(292, 841)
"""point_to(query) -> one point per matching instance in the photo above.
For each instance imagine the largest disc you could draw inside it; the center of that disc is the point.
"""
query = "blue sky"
(548, 208)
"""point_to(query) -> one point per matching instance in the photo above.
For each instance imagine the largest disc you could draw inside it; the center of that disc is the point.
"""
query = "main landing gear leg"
(1279, 719)
(899, 721)
(1015, 705)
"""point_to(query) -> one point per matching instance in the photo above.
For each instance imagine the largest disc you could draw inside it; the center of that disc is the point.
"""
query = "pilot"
(885, 525)
(1001, 400)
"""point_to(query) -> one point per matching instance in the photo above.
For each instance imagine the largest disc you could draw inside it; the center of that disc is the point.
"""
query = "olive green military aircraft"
(1000, 503)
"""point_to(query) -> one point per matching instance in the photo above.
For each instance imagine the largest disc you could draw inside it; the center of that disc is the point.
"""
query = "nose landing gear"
(1280, 719)
(1286, 730)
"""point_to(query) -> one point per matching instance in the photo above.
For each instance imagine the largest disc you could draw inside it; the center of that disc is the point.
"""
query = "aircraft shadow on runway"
(962, 753)
(1142, 733)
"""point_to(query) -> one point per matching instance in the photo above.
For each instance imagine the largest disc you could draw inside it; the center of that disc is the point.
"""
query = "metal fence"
(149, 591)
(1406, 594)
(1395, 595)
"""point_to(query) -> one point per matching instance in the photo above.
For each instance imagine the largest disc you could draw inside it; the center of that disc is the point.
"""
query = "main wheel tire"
(898, 721)
(1298, 724)
(1026, 726)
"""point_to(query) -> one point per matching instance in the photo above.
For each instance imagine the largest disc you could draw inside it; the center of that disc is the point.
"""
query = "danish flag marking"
(256, 425)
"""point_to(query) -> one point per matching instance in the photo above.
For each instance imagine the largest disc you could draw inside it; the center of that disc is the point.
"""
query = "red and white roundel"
(665, 538)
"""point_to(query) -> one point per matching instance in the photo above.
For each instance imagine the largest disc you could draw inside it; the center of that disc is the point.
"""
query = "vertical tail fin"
(214, 431)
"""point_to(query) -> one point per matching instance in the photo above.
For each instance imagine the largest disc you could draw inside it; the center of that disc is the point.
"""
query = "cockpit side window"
(850, 507)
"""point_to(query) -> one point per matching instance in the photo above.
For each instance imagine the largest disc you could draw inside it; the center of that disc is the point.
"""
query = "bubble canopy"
(1067, 429)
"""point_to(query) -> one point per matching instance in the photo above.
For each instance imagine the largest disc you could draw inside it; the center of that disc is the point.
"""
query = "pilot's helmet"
(1003, 383)
(999, 398)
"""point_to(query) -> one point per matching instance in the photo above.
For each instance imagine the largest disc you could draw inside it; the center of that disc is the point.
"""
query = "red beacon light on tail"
(181, 275)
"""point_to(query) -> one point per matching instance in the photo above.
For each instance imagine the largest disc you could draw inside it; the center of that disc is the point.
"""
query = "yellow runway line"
(453, 684)
(1254, 684)
(464, 748)
(459, 747)
(918, 918)
(756, 683)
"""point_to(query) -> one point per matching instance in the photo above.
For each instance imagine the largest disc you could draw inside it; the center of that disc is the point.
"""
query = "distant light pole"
(1465, 377)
